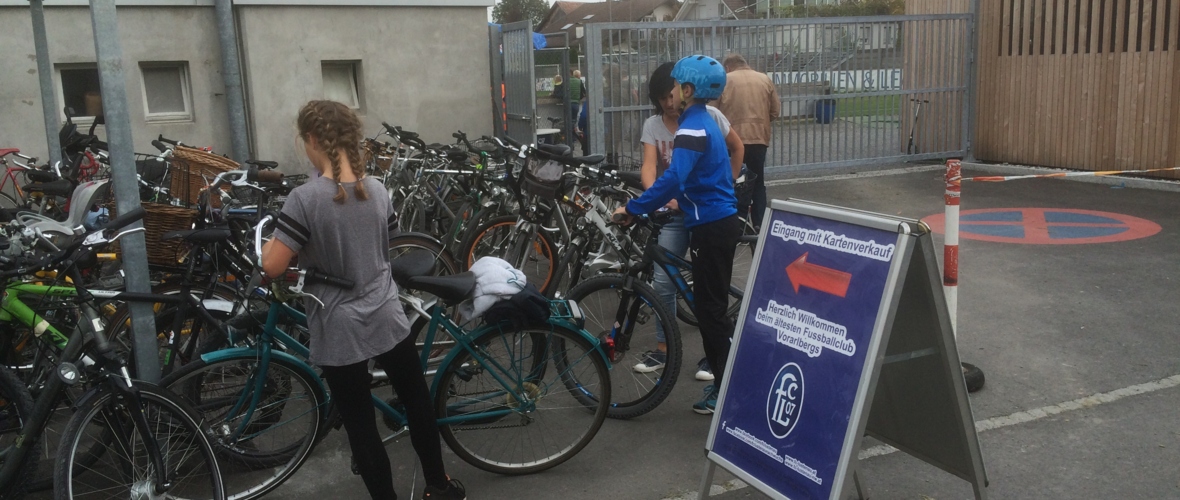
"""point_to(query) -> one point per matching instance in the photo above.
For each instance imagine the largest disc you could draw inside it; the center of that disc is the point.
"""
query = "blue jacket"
(699, 177)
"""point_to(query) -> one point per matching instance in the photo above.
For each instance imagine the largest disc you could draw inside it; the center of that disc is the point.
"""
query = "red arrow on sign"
(817, 277)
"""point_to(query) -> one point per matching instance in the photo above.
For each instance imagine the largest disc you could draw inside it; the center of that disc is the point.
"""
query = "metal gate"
(852, 91)
(519, 81)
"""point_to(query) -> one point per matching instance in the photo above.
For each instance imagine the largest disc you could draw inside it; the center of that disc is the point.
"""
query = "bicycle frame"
(263, 351)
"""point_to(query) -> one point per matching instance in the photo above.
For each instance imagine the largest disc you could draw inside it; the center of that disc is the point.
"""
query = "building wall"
(146, 34)
(425, 69)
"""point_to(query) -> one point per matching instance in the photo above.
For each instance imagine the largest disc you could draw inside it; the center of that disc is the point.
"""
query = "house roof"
(566, 16)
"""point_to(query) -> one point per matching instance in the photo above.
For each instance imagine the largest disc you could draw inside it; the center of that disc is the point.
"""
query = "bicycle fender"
(252, 353)
(420, 235)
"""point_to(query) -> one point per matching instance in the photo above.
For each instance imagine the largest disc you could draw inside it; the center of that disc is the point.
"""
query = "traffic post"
(844, 332)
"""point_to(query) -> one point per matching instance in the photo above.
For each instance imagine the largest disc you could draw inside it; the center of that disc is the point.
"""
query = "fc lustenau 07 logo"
(785, 401)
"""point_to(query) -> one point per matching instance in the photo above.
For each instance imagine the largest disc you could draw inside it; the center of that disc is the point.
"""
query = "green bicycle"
(509, 400)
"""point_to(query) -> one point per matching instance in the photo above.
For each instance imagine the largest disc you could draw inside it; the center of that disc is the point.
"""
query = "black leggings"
(350, 393)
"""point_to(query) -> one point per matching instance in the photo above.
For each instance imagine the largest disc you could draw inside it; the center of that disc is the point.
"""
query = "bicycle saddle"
(7, 151)
(263, 164)
(417, 262)
(559, 150)
(199, 236)
(60, 187)
(574, 161)
(40, 175)
(451, 289)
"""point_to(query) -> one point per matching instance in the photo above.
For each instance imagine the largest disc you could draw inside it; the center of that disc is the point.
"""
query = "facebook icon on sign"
(785, 400)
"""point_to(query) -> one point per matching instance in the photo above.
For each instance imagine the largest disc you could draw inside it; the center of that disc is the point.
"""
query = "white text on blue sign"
(832, 241)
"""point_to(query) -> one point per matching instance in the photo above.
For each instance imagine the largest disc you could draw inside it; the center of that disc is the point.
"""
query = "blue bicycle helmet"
(706, 75)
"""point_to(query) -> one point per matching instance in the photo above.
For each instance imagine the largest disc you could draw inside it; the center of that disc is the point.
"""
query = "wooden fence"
(1083, 84)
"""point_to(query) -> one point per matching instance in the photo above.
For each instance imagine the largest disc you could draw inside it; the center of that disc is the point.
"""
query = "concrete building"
(416, 63)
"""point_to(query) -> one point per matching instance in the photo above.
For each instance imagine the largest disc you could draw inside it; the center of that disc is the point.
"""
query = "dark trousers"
(755, 158)
(350, 393)
(713, 246)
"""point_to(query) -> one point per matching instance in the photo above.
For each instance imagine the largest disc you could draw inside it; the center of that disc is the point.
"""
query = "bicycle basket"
(542, 178)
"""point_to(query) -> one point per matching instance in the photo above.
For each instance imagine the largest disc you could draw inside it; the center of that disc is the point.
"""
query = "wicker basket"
(192, 169)
(159, 219)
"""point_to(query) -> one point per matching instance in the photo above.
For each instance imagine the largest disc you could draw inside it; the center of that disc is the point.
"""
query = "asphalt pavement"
(1078, 342)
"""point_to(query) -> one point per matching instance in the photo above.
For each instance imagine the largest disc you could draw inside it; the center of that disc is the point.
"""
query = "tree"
(510, 11)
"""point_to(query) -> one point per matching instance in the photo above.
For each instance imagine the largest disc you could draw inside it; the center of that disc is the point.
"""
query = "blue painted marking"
(1013, 231)
(1013, 216)
(1065, 232)
(1052, 217)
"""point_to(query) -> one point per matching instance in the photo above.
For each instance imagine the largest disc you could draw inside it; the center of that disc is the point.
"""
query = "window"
(721, 9)
(166, 94)
(341, 82)
(79, 89)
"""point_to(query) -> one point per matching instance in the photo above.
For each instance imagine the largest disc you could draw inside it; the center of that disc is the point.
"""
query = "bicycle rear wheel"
(279, 434)
(508, 409)
(125, 470)
(602, 299)
(15, 406)
(498, 238)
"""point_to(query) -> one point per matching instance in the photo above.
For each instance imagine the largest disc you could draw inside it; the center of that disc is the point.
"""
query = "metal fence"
(520, 81)
(852, 91)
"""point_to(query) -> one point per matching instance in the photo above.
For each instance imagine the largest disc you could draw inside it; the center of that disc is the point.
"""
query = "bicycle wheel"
(498, 237)
(8, 202)
(126, 470)
(743, 258)
(537, 423)
(601, 298)
(15, 406)
(445, 266)
(279, 433)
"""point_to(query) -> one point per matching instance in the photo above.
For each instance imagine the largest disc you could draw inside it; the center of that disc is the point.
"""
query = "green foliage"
(510, 11)
(844, 8)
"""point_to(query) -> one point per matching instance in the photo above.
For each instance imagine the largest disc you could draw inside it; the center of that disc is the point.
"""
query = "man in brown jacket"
(750, 102)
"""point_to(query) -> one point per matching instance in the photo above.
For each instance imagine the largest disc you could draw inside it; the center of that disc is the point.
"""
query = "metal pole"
(119, 140)
(45, 76)
(972, 85)
(231, 75)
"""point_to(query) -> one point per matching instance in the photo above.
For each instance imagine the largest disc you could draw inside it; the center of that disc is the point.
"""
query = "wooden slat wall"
(1082, 84)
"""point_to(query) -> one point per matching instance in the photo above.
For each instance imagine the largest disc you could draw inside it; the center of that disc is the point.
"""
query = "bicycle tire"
(252, 469)
(15, 406)
(178, 429)
(633, 393)
(8, 202)
(494, 238)
(446, 266)
(533, 406)
(742, 262)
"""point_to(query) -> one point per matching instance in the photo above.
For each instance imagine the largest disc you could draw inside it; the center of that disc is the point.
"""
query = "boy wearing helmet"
(701, 180)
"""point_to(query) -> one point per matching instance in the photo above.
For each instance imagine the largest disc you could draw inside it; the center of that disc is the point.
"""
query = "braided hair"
(337, 130)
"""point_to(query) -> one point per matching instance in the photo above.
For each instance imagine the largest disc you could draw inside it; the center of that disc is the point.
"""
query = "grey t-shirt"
(656, 134)
(347, 240)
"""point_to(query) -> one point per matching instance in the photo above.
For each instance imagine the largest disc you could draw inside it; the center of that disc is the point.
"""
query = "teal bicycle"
(509, 400)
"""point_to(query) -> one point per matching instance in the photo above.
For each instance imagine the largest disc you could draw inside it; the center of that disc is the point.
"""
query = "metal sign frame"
(913, 240)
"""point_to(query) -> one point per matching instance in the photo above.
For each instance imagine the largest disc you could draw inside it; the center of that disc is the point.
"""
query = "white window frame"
(60, 91)
(185, 92)
(355, 66)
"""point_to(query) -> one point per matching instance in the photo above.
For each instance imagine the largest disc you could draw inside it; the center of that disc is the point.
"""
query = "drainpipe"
(231, 75)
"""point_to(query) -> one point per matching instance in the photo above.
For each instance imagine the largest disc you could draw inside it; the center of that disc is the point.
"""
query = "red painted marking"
(818, 278)
(950, 259)
(1036, 228)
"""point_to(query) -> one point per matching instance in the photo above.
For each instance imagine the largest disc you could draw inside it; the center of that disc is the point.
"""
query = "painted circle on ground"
(1046, 226)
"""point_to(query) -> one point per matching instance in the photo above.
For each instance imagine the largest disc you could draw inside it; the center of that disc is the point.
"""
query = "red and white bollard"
(950, 251)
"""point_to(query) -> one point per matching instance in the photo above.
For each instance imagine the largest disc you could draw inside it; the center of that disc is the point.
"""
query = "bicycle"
(125, 435)
(619, 309)
(269, 407)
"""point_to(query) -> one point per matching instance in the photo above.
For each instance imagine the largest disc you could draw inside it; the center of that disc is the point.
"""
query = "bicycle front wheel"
(508, 408)
(259, 445)
(628, 320)
(126, 470)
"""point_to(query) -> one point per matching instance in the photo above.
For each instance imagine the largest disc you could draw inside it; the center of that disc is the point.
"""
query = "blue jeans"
(673, 237)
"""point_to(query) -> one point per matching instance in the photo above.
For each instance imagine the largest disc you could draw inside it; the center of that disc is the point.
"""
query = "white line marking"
(1020, 417)
(858, 175)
